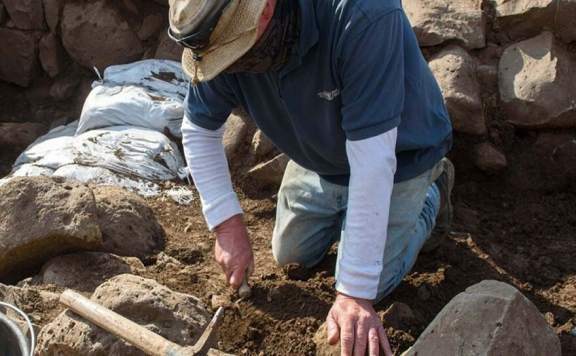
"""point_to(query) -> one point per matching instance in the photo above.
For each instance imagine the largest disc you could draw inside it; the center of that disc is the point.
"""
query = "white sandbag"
(108, 106)
(51, 150)
(103, 176)
(30, 170)
(130, 151)
(157, 75)
(147, 93)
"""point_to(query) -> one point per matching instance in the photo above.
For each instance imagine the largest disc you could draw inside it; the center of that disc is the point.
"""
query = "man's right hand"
(233, 250)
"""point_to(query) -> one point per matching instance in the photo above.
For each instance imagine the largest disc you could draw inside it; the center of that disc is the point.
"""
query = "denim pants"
(311, 214)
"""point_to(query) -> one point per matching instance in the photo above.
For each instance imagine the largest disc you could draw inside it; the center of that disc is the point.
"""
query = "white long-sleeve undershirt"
(372, 167)
(361, 251)
(204, 152)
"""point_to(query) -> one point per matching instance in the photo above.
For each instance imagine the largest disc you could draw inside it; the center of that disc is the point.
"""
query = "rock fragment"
(270, 173)
(488, 158)
(489, 318)
(438, 21)
(455, 71)
(537, 83)
(178, 317)
(52, 55)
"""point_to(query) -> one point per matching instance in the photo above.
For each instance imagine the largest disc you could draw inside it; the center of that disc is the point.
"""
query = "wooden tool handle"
(137, 335)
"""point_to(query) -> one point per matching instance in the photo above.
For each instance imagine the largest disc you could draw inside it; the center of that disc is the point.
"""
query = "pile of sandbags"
(125, 134)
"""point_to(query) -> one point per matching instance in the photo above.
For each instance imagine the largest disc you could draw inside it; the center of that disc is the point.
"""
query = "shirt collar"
(308, 35)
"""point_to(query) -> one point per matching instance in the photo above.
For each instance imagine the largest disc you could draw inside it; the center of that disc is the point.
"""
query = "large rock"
(437, 21)
(26, 14)
(168, 49)
(52, 13)
(52, 56)
(537, 83)
(270, 173)
(524, 18)
(43, 217)
(455, 71)
(17, 136)
(565, 25)
(178, 317)
(489, 318)
(129, 226)
(85, 271)
(95, 34)
(18, 56)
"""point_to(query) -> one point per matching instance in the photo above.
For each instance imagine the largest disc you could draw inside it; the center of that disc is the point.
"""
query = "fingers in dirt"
(360, 339)
(384, 342)
(333, 330)
(373, 342)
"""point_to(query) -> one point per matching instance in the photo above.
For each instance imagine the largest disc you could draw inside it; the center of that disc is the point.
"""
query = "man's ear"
(266, 16)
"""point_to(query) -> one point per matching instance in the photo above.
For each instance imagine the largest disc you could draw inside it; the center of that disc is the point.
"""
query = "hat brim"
(232, 45)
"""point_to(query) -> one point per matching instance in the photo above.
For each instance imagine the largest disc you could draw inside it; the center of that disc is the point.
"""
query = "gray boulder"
(41, 218)
(490, 318)
(180, 318)
(537, 83)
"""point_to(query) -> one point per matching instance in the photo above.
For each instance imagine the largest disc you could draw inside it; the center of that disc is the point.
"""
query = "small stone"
(489, 159)
(270, 173)
(423, 293)
(52, 56)
(261, 145)
(219, 300)
(399, 316)
(550, 318)
(455, 71)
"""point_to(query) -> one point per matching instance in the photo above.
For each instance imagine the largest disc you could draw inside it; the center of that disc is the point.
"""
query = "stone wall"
(504, 66)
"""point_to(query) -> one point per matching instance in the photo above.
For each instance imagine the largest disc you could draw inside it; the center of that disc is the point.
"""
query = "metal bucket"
(13, 342)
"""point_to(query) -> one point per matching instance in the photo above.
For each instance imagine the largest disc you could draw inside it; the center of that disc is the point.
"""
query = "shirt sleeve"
(208, 104)
(371, 67)
(361, 250)
(207, 162)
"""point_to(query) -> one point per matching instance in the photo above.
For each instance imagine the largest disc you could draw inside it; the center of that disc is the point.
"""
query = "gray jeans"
(311, 215)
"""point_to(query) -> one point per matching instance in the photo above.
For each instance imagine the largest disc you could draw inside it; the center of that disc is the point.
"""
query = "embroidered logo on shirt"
(329, 94)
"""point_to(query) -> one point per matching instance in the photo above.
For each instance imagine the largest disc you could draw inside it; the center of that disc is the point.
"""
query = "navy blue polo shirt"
(357, 72)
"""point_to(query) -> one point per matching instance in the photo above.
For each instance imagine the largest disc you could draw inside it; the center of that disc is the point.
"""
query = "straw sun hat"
(231, 28)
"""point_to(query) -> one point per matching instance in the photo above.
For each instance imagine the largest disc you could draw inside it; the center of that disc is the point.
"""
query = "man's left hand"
(355, 323)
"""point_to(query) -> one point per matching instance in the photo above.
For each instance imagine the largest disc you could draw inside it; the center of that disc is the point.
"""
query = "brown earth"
(520, 236)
